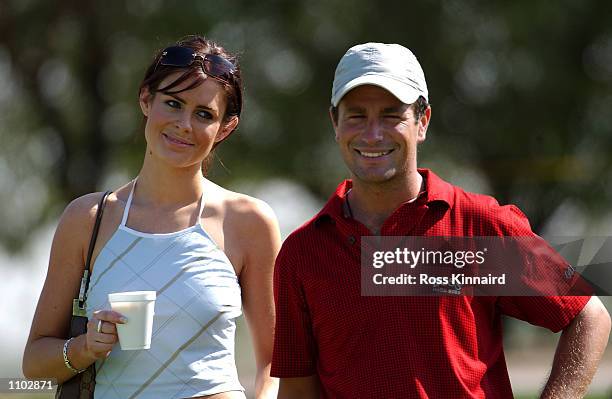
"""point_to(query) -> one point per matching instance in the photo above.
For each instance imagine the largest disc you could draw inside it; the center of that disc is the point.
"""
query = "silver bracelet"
(69, 365)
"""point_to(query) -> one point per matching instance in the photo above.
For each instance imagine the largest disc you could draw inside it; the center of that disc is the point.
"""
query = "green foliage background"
(521, 96)
(520, 92)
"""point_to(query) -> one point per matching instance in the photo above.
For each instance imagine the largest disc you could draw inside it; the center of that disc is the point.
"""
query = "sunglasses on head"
(212, 65)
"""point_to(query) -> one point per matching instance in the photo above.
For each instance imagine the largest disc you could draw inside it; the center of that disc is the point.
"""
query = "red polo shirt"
(398, 347)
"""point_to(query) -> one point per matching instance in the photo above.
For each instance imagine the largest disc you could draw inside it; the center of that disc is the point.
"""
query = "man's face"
(378, 134)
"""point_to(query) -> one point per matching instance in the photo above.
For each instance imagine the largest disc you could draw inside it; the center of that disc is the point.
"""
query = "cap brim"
(403, 92)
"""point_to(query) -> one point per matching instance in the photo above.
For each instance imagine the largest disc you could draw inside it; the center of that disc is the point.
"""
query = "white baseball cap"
(390, 66)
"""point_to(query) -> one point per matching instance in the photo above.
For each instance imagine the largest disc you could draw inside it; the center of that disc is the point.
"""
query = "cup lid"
(132, 296)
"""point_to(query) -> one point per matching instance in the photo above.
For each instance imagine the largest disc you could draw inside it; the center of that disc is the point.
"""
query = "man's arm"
(302, 387)
(579, 351)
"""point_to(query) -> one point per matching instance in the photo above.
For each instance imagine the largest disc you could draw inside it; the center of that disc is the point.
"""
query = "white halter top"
(198, 300)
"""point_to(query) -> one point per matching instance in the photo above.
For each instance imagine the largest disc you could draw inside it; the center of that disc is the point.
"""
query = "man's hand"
(579, 351)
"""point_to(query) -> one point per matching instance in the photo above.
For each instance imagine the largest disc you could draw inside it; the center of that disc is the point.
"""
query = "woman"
(204, 249)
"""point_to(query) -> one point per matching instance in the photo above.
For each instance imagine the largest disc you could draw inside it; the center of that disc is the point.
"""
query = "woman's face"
(182, 128)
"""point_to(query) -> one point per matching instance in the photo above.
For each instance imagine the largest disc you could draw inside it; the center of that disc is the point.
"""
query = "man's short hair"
(418, 108)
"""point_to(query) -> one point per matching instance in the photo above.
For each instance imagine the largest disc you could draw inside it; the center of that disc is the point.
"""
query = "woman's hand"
(102, 333)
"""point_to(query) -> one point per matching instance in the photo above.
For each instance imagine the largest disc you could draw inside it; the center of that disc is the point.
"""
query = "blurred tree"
(520, 92)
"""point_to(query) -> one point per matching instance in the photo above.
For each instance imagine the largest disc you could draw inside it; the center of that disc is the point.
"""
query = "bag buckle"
(79, 307)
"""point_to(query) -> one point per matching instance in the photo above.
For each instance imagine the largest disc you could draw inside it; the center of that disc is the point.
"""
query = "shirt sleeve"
(544, 270)
(294, 346)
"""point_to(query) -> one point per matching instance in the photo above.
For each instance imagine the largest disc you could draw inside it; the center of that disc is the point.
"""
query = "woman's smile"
(176, 141)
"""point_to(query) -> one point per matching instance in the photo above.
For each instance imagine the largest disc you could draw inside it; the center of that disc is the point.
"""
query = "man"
(331, 341)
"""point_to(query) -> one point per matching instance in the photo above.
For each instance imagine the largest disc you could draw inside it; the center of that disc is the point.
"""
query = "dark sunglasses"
(212, 65)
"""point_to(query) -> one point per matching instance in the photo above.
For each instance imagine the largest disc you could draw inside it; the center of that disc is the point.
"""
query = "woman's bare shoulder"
(80, 214)
(242, 207)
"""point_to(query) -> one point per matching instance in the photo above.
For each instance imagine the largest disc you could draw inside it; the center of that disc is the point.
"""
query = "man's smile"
(373, 154)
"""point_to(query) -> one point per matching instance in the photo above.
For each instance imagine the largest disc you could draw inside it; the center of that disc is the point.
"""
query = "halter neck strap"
(126, 210)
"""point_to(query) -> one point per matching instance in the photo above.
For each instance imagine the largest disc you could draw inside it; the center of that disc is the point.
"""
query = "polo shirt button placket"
(352, 240)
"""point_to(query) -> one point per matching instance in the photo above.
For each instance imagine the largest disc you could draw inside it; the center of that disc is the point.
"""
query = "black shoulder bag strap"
(79, 304)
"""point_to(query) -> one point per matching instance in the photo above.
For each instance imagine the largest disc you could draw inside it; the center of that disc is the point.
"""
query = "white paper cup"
(138, 307)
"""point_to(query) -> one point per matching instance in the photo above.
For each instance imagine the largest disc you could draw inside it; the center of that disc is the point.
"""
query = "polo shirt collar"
(436, 191)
